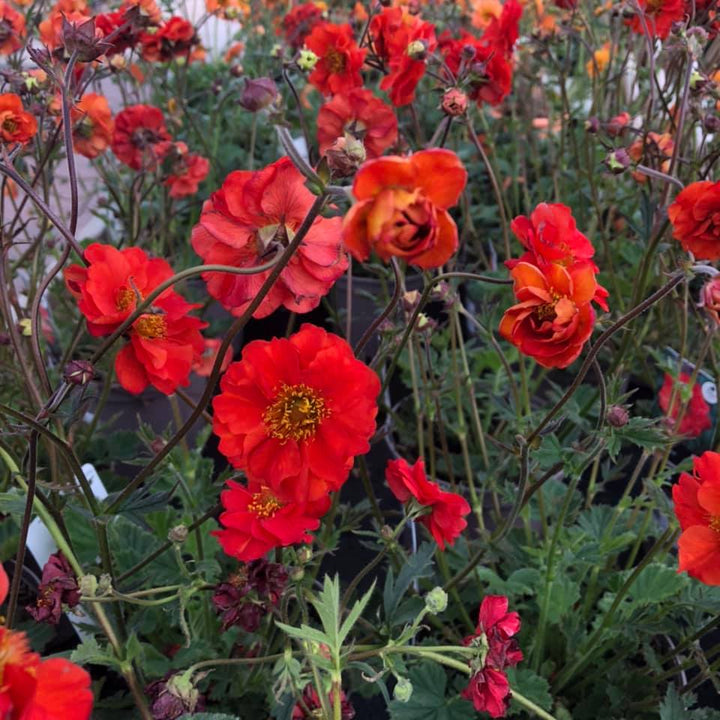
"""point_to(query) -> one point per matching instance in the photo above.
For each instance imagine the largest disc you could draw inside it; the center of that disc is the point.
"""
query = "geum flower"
(164, 342)
(489, 689)
(695, 414)
(695, 218)
(175, 38)
(12, 29)
(58, 587)
(697, 507)
(139, 130)
(293, 413)
(359, 113)
(402, 208)
(256, 521)
(554, 317)
(658, 16)
(36, 689)
(93, 125)
(444, 511)
(253, 216)
(550, 235)
(16, 125)
(339, 58)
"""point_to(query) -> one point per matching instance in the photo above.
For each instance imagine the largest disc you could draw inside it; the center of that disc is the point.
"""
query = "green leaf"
(418, 566)
(428, 701)
(327, 606)
(654, 584)
(564, 593)
(354, 614)
(534, 687)
(89, 652)
(304, 632)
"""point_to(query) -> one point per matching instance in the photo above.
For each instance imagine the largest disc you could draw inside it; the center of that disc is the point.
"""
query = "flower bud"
(386, 532)
(454, 102)
(403, 690)
(617, 416)
(711, 123)
(710, 298)
(178, 534)
(410, 300)
(468, 52)
(88, 585)
(618, 161)
(592, 125)
(345, 156)
(307, 60)
(104, 584)
(297, 574)
(174, 696)
(617, 124)
(698, 81)
(81, 39)
(417, 50)
(78, 372)
(258, 94)
(304, 555)
(436, 601)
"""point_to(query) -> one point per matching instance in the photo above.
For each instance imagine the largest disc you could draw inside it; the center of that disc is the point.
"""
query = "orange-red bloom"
(554, 317)
(658, 16)
(361, 114)
(92, 125)
(204, 364)
(256, 521)
(36, 689)
(293, 413)
(696, 416)
(550, 235)
(402, 208)
(185, 170)
(402, 40)
(252, 217)
(446, 511)
(174, 38)
(299, 22)
(139, 129)
(12, 29)
(164, 342)
(697, 507)
(16, 125)
(340, 58)
(695, 217)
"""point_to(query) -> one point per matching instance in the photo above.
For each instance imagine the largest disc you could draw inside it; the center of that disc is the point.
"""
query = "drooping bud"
(178, 534)
(258, 94)
(617, 416)
(78, 372)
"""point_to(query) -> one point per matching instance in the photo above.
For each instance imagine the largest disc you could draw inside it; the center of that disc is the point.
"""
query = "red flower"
(299, 22)
(554, 317)
(659, 17)
(447, 510)
(551, 236)
(92, 125)
(697, 507)
(256, 521)
(710, 298)
(403, 41)
(340, 59)
(12, 29)
(164, 342)
(696, 418)
(695, 217)
(139, 129)
(16, 125)
(293, 413)
(58, 587)
(185, 170)
(491, 67)
(204, 364)
(311, 706)
(35, 689)
(174, 38)
(402, 208)
(489, 690)
(361, 114)
(251, 218)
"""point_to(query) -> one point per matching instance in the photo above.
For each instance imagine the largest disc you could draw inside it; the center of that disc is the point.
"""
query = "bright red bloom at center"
(340, 58)
(697, 506)
(447, 510)
(138, 131)
(251, 218)
(293, 413)
(36, 689)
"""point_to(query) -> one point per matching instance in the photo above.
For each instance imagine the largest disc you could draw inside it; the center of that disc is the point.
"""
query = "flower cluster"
(292, 414)
(53, 689)
(163, 342)
(489, 690)
(555, 284)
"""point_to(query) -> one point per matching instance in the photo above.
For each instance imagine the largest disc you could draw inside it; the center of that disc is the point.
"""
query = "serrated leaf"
(304, 632)
(418, 566)
(531, 685)
(327, 606)
(564, 593)
(89, 652)
(656, 583)
(354, 614)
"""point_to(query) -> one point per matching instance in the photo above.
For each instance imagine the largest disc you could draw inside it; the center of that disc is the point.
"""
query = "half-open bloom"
(695, 217)
(293, 413)
(402, 208)
(252, 217)
(554, 317)
(697, 507)
(446, 511)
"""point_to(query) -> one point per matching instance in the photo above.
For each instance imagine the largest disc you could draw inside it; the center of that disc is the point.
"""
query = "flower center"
(151, 327)
(125, 298)
(264, 505)
(144, 137)
(335, 61)
(547, 311)
(9, 124)
(295, 413)
(715, 523)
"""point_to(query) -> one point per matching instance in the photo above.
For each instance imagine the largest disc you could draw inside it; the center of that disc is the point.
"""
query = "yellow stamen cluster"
(264, 505)
(295, 413)
(151, 327)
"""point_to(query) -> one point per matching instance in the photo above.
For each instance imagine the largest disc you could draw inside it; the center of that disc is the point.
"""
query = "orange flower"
(340, 59)
(484, 11)
(659, 17)
(228, 9)
(32, 688)
(695, 217)
(92, 125)
(16, 125)
(402, 208)
(12, 29)
(51, 28)
(554, 317)
(658, 151)
(697, 507)
(601, 59)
